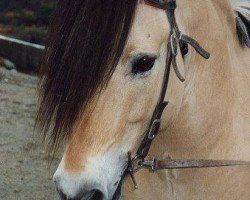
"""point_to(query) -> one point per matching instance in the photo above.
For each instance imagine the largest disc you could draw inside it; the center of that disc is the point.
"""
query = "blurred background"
(24, 170)
(25, 19)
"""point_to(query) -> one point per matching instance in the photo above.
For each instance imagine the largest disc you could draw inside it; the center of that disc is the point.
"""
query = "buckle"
(173, 42)
(151, 164)
(154, 129)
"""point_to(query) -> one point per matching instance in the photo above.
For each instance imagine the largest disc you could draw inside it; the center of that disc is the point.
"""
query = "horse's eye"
(143, 65)
(184, 49)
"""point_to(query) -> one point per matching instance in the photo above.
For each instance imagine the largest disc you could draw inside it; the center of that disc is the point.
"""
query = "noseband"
(175, 40)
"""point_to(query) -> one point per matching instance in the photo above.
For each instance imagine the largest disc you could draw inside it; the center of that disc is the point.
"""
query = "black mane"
(85, 42)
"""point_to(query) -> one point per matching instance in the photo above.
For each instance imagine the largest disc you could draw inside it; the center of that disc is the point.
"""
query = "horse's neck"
(214, 117)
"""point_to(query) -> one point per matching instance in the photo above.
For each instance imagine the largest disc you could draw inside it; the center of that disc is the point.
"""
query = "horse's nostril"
(93, 195)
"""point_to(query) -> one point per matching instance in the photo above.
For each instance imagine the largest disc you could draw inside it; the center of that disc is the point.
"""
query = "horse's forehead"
(149, 30)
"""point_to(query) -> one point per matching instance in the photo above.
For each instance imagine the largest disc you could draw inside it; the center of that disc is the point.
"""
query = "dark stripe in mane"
(85, 42)
(242, 11)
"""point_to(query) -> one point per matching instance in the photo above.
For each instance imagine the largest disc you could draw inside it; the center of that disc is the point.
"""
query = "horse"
(101, 79)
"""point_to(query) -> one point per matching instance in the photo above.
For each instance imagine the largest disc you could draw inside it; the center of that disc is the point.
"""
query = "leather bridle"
(175, 40)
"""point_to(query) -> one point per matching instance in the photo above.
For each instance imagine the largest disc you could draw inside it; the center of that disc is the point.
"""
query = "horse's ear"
(242, 11)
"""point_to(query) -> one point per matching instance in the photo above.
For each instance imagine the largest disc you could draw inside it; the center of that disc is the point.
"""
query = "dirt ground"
(24, 170)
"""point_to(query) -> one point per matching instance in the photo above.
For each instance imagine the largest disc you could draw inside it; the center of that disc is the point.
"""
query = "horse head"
(102, 77)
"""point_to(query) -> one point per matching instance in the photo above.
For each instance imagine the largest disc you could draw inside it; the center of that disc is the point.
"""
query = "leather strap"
(175, 38)
(169, 163)
(153, 128)
(162, 4)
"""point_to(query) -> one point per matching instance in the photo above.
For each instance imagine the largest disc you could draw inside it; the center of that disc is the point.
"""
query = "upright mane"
(86, 39)
(242, 11)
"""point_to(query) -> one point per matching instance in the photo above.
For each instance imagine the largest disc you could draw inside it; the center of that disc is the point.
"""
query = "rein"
(138, 162)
